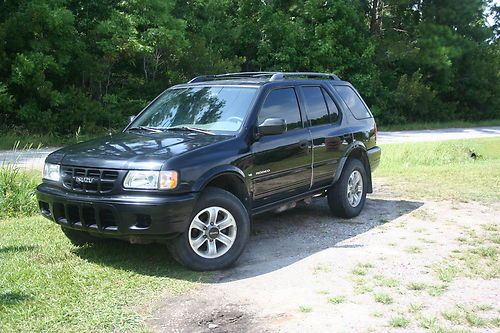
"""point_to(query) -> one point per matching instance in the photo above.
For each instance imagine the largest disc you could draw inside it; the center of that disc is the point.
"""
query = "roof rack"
(273, 76)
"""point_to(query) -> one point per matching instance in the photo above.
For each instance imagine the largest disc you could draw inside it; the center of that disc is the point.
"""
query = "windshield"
(214, 109)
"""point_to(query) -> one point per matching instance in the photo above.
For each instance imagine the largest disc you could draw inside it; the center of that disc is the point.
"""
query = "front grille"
(86, 217)
(88, 180)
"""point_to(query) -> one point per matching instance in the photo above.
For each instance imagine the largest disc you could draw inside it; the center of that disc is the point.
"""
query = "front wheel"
(216, 235)
(347, 196)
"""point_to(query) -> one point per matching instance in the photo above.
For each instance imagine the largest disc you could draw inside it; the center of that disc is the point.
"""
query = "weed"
(305, 309)
(337, 299)
(399, 322)
(428, 322)
(381, 280)
(413, 249)
(416, 286)
(415, 307)
(361, 269)
(437, 290)
(322, 268)
(383, 298)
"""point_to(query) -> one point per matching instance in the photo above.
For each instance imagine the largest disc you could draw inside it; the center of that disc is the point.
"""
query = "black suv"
(200, 160)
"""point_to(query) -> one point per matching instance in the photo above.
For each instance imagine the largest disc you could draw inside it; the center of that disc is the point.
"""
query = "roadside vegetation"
(459, 170)
(11, 138)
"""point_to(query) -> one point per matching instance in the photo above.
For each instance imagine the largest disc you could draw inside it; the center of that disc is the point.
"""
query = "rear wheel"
(80, 238)
(347, 196)
(217, 233)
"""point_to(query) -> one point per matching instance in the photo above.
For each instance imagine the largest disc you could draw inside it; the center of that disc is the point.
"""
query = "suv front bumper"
(132, 217)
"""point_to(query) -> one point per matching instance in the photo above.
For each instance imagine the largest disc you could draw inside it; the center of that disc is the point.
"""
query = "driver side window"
(282, 103)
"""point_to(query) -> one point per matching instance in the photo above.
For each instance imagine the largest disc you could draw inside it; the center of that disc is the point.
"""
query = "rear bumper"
(119, 216)
(374, 157)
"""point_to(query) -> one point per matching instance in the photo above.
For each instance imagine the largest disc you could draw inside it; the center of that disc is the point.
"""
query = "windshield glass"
(215, 109)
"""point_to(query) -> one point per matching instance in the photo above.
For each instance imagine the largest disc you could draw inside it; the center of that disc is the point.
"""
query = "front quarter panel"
(199, 166)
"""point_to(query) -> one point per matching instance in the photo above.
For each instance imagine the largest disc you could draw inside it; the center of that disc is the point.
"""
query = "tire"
(80, 238)
(195, 247)
(341, 203)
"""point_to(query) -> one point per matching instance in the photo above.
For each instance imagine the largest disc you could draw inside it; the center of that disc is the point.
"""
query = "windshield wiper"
(145, 128)
(190, 129)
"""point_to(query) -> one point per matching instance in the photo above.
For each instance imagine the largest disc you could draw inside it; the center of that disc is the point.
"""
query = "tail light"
(375, 133)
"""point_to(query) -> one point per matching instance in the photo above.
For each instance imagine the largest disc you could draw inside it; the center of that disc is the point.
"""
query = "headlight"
(51, 172)
(150, 180)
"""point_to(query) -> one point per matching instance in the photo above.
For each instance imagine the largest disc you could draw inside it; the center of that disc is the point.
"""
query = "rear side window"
(332, 107)
(353, 101)
(317, 112)
(282, 103)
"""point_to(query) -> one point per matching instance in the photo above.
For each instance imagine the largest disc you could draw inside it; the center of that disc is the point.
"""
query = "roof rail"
(282, 76)
(203, 78)
(273, 76)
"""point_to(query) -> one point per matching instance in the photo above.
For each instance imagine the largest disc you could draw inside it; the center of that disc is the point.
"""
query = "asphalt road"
(34, 158)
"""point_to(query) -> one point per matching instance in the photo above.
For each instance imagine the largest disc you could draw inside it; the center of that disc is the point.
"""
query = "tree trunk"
(375, 17)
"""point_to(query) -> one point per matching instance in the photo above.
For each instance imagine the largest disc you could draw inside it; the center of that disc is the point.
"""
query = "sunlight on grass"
(46, 284)
(443, 170)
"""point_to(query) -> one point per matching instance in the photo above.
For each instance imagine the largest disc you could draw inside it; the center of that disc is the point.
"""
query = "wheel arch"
(357, 150)
(229, 178)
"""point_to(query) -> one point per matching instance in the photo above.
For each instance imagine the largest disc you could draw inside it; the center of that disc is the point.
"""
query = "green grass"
(443, 170)
(399, 322)
(46, 284)
(384, 281)
(305, 309)
(417, 286)
(17, 191)
(337, 299)
(436, 125)
(361, 269)
(461, 315)
(383, 298)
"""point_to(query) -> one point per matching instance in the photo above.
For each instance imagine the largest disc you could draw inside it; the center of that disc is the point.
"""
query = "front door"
(282, 163)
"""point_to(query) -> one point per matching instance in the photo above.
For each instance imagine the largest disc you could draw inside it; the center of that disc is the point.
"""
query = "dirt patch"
(307, 271)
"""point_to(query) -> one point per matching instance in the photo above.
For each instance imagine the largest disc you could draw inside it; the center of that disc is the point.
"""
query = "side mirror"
(131, 119)
(272, 126)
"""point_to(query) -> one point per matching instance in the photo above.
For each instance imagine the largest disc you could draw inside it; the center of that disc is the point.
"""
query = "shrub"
(17, 192)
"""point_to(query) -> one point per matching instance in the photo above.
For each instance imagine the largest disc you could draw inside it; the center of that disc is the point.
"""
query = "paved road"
(33, 158)
(438, 134)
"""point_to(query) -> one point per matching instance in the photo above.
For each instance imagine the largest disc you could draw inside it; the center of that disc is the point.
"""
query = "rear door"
(282, 163)
(330, 139)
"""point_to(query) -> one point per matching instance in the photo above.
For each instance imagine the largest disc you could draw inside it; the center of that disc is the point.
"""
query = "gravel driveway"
(305, 271)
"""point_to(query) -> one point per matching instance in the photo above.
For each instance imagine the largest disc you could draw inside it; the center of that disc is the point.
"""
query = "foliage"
(89, 64)
(17, 192)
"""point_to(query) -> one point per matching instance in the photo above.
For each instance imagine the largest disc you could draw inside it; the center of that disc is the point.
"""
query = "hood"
(146, 151)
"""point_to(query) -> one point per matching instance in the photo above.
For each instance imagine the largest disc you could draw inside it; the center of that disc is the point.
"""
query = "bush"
(17, 192)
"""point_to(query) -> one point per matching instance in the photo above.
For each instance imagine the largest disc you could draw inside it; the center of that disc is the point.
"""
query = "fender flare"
(211, 174)
(355, 145)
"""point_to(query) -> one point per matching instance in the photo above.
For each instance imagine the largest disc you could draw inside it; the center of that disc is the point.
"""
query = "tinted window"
(332, 107)
(316, 106)
(210, 108)
(353, 101)
(282, 103)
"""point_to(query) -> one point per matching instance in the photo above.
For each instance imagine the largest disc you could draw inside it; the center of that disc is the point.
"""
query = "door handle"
(303, 144)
